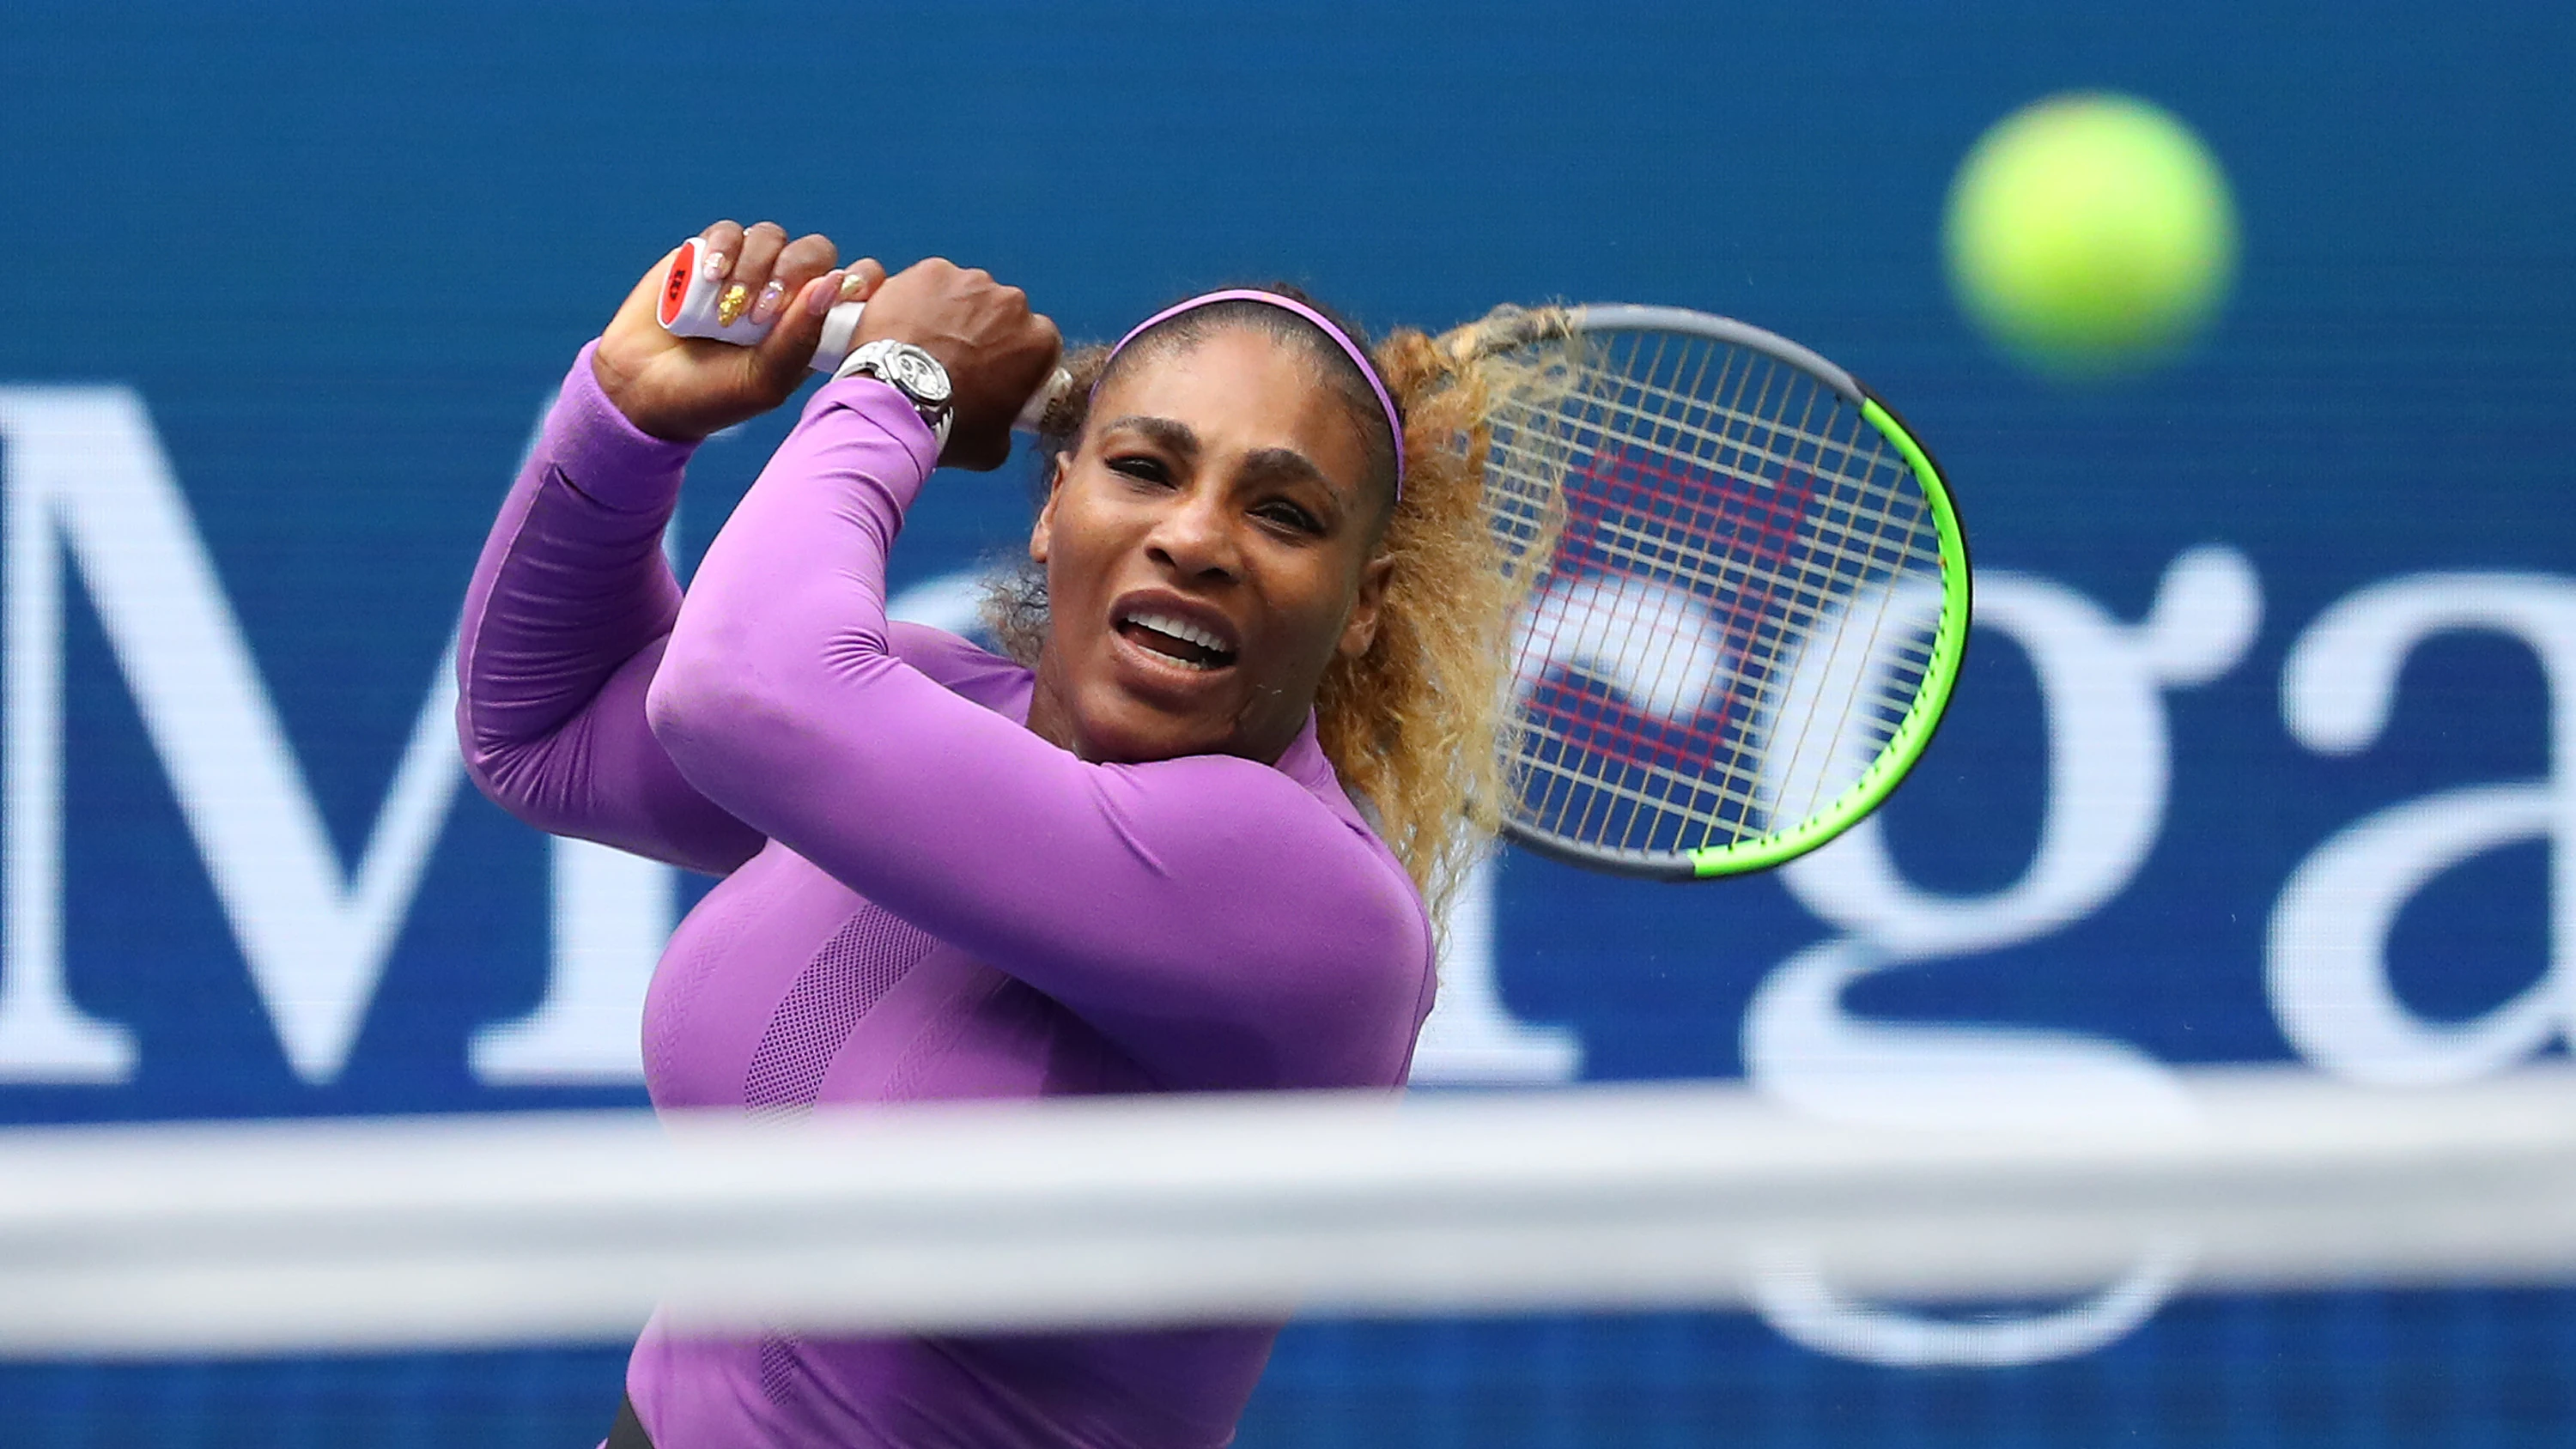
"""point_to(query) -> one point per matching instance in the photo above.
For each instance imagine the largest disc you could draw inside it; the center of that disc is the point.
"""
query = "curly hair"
(1412, 726)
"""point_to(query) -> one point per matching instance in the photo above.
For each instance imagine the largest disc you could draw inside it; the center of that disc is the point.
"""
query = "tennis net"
(221, 1239)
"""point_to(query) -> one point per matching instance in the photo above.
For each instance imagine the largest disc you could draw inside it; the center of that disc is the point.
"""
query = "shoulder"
(1226, 801)
(1331, 944)
(962, 667)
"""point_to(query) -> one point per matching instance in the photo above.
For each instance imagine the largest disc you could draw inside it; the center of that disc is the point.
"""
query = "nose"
(1194, 536)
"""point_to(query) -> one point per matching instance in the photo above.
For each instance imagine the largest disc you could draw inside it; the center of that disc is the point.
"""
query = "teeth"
(1178, 629)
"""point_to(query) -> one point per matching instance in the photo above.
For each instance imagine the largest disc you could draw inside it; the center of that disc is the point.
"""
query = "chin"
(1128, 739)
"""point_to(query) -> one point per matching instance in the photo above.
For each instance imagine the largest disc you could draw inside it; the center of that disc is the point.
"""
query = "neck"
(1049, 720)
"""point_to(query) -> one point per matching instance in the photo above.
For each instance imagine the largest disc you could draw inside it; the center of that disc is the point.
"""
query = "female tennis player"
(1181, 838)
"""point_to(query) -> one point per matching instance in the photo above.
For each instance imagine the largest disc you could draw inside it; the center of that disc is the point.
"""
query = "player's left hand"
(996, 350)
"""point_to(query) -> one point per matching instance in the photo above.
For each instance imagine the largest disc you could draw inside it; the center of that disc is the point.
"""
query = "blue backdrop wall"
(2263, 754)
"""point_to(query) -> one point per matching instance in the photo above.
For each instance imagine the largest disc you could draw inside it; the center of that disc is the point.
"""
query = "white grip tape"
(692, 305)
(692, 302)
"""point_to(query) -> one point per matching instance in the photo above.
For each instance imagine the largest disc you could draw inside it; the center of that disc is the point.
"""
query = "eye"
(1143, 467)
(1290, 516)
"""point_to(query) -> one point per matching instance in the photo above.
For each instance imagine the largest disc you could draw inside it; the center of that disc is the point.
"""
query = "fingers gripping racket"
(1748, 591)
(691, 304)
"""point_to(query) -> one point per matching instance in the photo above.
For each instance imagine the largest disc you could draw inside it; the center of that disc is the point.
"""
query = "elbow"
(694, 684)
(525, 779)
(733, 696)
(713, 714)
(508, 772)
(486, 770)
(478, 763)
(684, 704)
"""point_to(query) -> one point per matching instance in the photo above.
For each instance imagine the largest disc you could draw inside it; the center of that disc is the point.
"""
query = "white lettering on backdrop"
(84, 470)
(2326, 960)
(2101, 683)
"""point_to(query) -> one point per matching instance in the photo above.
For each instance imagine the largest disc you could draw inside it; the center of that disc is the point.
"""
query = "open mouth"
(1176, 639)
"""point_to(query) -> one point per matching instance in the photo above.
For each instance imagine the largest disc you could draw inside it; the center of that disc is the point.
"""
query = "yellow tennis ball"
(2090, 235)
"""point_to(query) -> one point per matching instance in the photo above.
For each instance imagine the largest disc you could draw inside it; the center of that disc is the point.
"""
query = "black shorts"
(628, 1431)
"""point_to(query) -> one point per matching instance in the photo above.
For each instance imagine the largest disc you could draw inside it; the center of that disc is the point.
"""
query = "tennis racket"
(1747, 588)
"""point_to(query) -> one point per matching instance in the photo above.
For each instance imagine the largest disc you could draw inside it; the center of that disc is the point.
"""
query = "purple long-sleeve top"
(921, 899)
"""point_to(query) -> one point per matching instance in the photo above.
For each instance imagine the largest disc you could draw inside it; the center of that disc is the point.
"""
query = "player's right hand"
(685, 388)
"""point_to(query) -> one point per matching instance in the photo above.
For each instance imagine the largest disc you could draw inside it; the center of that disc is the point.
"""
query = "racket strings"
(1578, 727)
(1642, 544)
(1586, 727)
(1728, 423)
(1727, 624)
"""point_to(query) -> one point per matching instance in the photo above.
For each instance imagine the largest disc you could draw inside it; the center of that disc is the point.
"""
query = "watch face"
(919, 374)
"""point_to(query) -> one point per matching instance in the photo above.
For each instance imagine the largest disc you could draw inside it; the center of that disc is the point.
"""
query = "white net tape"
(454, 1231)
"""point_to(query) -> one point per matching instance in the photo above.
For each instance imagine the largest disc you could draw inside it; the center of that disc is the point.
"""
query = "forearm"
(783, 645)
(562, 628)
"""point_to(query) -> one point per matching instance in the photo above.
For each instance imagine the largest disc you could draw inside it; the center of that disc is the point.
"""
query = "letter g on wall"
(2102, 683)
(2326, 958)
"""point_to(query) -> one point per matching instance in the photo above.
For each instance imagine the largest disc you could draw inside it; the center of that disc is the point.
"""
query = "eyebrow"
(1169, 432)
(1284, 463)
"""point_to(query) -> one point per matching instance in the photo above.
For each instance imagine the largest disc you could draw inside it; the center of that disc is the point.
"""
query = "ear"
(1360, 631)
(1045, 526)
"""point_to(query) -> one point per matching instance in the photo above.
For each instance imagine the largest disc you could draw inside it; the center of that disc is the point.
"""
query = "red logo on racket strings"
(1666, 593)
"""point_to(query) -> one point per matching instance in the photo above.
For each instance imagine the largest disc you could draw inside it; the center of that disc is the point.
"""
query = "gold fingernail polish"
(852, 285)
(729, 307)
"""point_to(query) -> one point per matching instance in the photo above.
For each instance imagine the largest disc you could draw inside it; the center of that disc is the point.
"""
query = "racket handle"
(692, 306)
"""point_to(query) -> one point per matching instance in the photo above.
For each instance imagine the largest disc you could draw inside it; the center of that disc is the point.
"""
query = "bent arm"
(565, 622)
(1207, 913)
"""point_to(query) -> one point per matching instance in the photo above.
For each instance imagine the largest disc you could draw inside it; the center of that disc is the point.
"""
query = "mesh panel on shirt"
(777, 1367)
(851, 974)
(853, 971)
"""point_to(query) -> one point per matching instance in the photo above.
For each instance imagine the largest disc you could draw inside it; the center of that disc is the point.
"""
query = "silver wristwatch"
(915, 373)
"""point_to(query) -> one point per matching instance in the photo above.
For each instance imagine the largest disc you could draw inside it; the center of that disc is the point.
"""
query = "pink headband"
(1368, 369)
